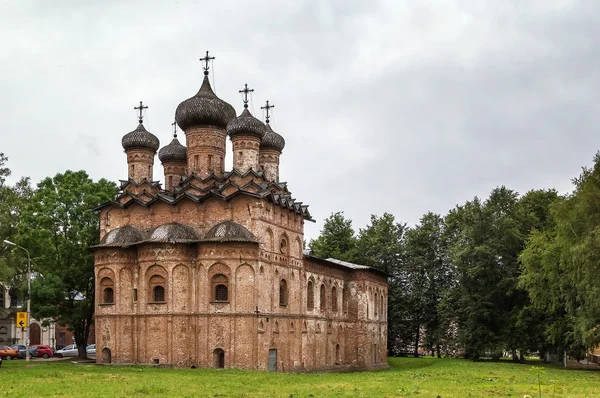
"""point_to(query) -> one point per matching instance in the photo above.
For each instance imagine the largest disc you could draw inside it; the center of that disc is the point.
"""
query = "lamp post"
(27, 355)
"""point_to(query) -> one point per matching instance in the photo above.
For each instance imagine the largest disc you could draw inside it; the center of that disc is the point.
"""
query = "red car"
(40, 351)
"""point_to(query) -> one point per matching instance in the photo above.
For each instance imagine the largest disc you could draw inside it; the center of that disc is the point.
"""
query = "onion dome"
(140, 138)
(173, 233)
(204, 108)
(174, 152)
(272, 140)
(121, 237)
(229, 231)
(246, 124)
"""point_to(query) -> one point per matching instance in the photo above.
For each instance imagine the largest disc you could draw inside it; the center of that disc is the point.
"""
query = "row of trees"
(55, 223)
(508, 273)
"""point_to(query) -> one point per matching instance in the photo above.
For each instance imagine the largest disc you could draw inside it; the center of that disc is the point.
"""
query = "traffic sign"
(21, 319)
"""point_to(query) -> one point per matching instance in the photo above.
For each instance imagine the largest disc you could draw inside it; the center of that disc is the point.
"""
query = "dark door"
(34, 334)
(273, 360)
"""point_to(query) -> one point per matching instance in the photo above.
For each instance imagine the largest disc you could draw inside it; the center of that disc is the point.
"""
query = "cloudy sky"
(386, 106)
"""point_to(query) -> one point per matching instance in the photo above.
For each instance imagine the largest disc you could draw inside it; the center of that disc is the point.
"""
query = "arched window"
(337, 354)
(108, 293)
(157, 289)
(220, 288)
(109, 296)
(334, 299)
(158, 294)
(322, 298)
(283, 292)
(376, 305)
(310, 296)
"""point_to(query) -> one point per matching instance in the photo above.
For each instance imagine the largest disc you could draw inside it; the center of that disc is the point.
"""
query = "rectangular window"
(134, 295)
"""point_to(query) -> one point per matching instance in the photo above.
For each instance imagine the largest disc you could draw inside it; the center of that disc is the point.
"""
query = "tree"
(336, 240)
(379, 245)
(58, 226)
(13, 263)
(485, 240)
(560, 264)
(430, 276)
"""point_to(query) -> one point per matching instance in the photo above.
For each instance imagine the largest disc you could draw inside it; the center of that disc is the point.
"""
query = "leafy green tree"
(380, 246)
(430, 276)
(336, 240)
(13, 263)
(59, 226)
(560, 265)
(485, 240)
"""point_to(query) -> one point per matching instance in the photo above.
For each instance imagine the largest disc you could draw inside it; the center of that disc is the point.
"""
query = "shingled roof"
(193, 187)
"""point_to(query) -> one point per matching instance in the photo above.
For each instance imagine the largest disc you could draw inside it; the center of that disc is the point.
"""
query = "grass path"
(407, 377)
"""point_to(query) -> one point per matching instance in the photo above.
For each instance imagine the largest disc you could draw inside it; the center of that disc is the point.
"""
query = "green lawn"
(407, 377)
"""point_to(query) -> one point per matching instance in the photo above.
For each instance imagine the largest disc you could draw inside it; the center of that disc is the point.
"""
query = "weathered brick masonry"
(211, 272)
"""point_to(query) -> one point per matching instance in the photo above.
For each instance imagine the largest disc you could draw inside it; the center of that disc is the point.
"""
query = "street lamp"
(27, 355)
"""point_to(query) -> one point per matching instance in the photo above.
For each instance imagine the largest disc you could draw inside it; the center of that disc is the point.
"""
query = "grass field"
(407, 377)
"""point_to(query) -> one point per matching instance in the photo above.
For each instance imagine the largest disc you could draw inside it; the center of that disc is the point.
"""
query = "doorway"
(273, 360)
(34, 334)
(219, 358)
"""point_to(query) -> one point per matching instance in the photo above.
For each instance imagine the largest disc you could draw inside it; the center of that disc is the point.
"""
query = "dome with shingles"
(229, 231)
(121, 237)
(140, 138)
(272, 140)
(204, 108)
(246, 124)
(174, 152)
(173, 233)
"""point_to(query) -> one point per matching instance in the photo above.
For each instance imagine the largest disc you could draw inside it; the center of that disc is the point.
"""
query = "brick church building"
(210, 271)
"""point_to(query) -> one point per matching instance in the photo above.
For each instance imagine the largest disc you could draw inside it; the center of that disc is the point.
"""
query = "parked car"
(20, 349)
(68, 351)
(8, 353)
(91, 349)
(40, 351)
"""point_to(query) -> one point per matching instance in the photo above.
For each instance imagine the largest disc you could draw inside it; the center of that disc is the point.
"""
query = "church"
(209, 270)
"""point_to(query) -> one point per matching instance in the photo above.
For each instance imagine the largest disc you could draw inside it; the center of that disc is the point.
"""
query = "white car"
(91, 349)
(68, 351)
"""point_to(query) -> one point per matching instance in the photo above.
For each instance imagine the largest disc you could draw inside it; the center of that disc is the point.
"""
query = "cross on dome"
(174, 124)
(266, 108)
(205, 60)
(245, 93)
(141, 109)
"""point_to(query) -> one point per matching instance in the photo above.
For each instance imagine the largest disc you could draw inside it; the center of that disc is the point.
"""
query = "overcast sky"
(386, 106)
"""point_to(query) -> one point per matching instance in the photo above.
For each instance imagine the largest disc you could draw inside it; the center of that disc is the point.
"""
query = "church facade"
(210, 270)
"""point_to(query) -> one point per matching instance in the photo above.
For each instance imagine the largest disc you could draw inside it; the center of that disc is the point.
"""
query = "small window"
(334, 307)
(221, 293)
(158, 294)
(108, 296)
(283, 292)
(376, 304)
(220, 288)
(322, 298)
(310, 296)
(283, 246)
(134, 295)
(157, 289)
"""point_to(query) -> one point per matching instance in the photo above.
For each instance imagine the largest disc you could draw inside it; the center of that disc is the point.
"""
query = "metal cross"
(266, 108)
(205, 60)
(174, 124)
(245, 92)
(141, 109)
